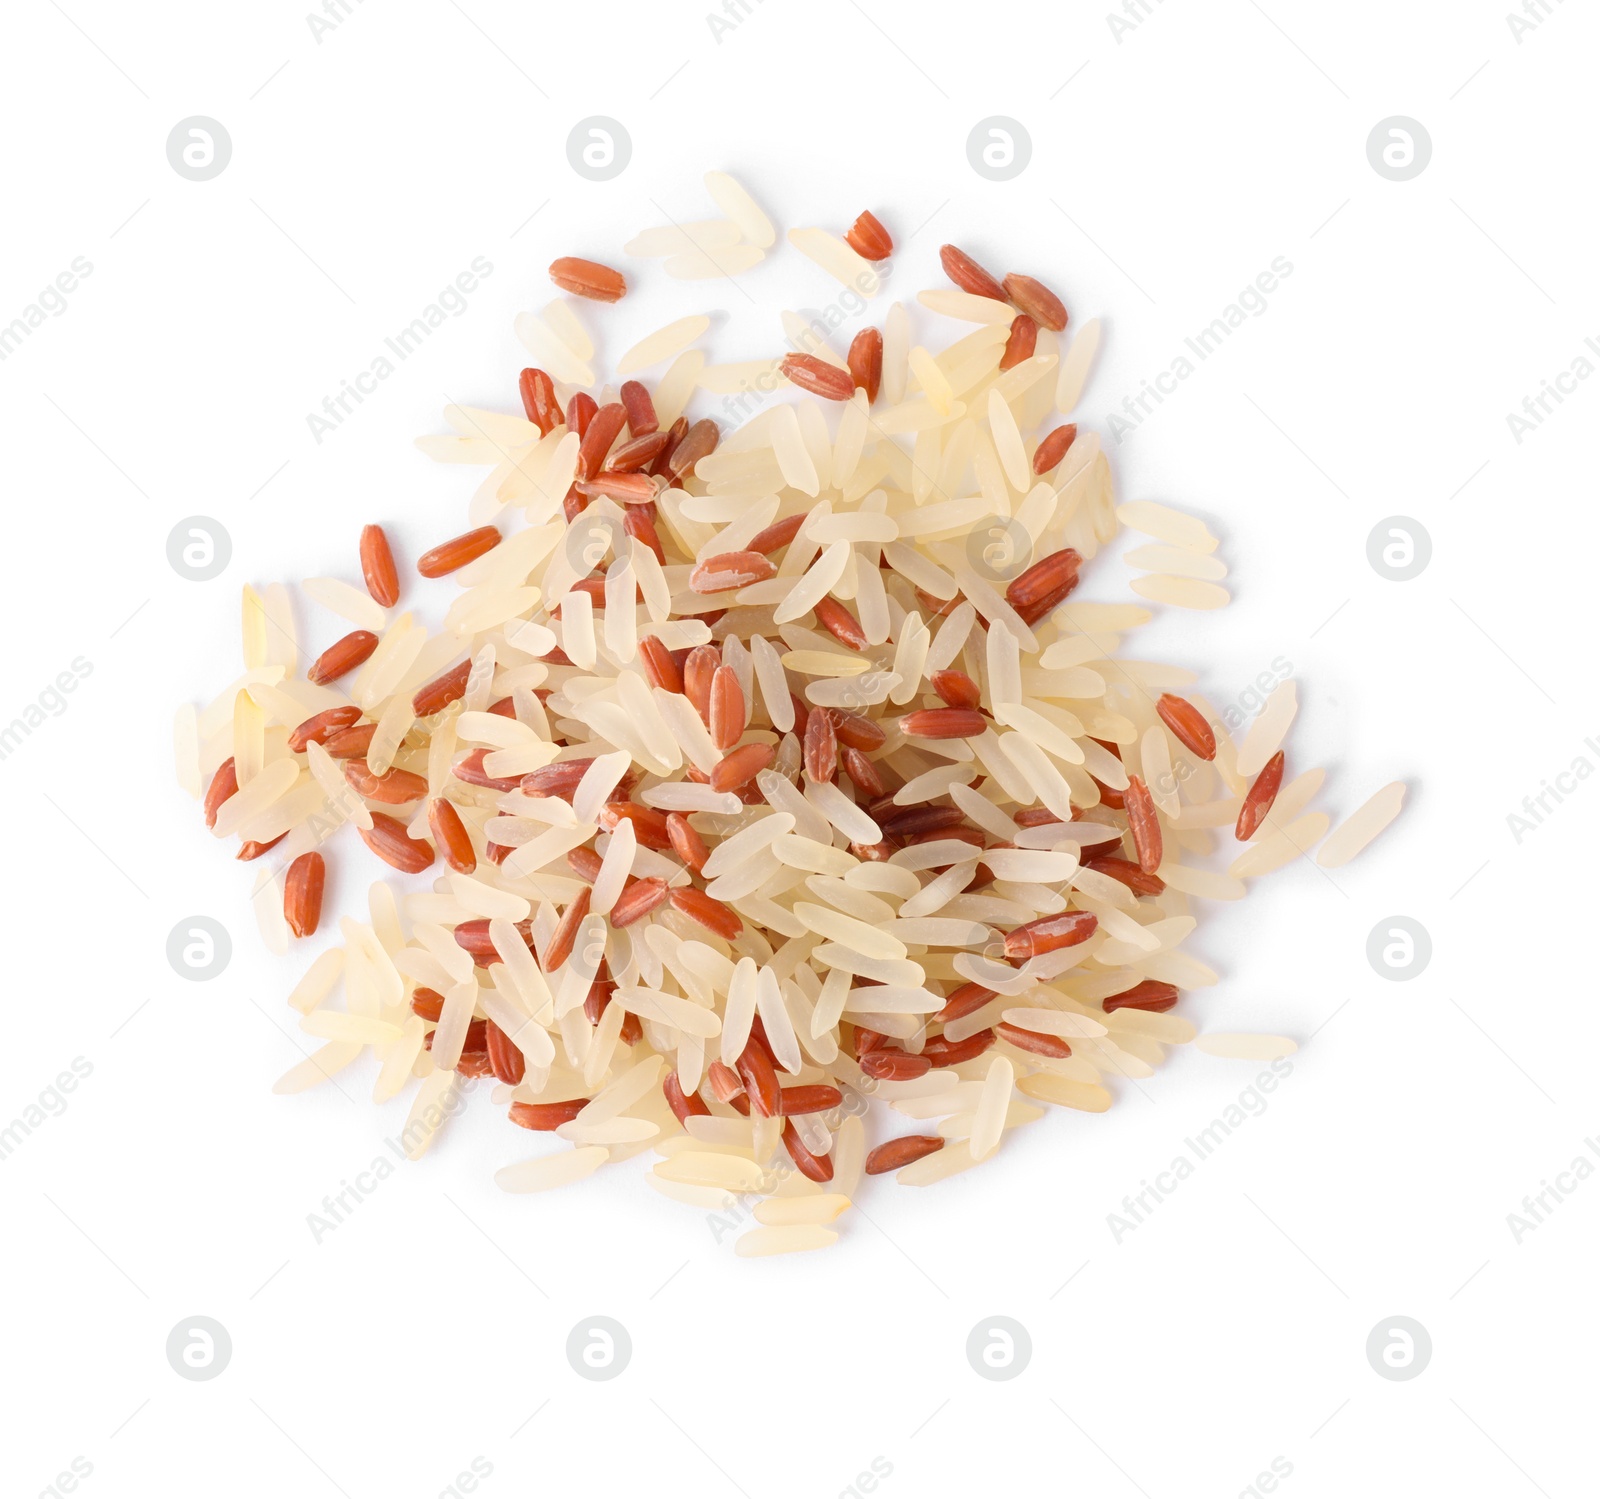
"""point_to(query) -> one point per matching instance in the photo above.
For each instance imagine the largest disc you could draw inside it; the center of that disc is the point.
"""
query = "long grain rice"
(1362, 826)
(697, 863)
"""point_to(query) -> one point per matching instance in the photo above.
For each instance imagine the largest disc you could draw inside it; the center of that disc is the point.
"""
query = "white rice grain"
(838, 260)
(1269, 728)
(707, 264)
(546, 1172)
(969, 308)
(1250, 1048)
(1362, 826)
(1177, 561)
(664, 343)
(733, 199)
(1176, 527)
(1281, 848)
(1181, 593)
(673, 239)
(1076, 365)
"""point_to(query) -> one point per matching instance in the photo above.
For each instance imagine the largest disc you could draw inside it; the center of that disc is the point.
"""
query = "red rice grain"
(687, 844)
(1050, 934)
(1034, 1041)
(893, 1154)
(547, 1116)
(580, 412)
(565, 936)
(1022, 342)
(778, 535)
(1149, 994)
(813, 1099)
(539, 400)
(347, 744)
(866, 362)
(442, 691)
(377, 567)
(818, 376)
(1054, 447)
(604, 428)
(1127, 873)
(684, 1106)
(969, 275)
(224, 782)
(840, 623)
(889, 1065)
(469, 768)
(389, 840)
(1037, 301)
(739, 767)
(818, 1168)
(730, 570)
(1144, 825)
(505, 1059)
(342, 656)
(868, 238)
(700, 441)
(588, 278)
(702, 908)
(396, 787)
(760, 1079)
(456, 553)
(727, 715)
(862, 771)
(659, 667)
(450, 836)
(956, 688)
(641, 409)
(1259, 798)
(943, 723)
(1188, 725)
(821, 749)
(638, 901)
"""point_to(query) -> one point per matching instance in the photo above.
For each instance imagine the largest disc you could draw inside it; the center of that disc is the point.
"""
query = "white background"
(1168, 169)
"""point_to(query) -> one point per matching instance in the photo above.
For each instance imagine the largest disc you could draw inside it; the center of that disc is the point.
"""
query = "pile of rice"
(767, 772)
